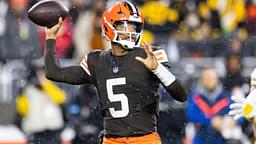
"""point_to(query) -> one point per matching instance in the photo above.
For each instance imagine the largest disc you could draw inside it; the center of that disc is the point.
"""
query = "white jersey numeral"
(122, 98)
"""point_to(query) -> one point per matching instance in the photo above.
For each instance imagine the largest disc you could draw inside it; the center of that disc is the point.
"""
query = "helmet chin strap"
(128, 45)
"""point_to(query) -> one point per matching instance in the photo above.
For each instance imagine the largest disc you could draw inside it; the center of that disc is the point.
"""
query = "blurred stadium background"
(195, 34)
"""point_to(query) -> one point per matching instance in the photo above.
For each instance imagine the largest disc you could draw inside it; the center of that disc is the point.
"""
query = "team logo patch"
(115, 69)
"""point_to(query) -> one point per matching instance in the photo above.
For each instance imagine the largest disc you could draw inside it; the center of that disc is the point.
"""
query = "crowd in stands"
(206, 41)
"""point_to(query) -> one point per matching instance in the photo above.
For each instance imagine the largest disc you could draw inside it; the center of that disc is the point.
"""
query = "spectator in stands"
(235, 83)
(235, 45)
(160, 19)
(87, 35)
(64, 48)
(77, 7)
(21, 38)
(207, 109)
(39, 107)
(234, 78)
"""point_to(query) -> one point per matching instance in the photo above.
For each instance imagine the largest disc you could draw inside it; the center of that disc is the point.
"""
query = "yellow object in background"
(247, 110)
(212, 4)
(148, 37)
(239, 10)
(204, 10)
(22, 105)
(56, 94)
(173, 15)
(158, 13)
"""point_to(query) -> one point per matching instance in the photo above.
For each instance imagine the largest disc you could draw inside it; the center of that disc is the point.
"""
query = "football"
(47, 12)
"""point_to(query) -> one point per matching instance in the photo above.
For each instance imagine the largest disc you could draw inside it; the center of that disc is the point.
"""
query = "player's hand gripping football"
(243, 107)
(51, 33)
(151, 60)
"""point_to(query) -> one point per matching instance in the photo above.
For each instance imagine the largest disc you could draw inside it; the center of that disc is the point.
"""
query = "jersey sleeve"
(89, 62)
(54, 71)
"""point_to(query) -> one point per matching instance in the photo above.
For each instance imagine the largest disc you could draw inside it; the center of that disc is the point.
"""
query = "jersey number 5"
(122, 98)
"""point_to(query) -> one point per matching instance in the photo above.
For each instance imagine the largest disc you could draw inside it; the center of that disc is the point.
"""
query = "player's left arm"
(154, 63)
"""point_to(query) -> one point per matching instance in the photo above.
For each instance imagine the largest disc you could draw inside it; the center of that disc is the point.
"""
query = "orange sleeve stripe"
(159, 53)
(84, 65)
(160, 58)
(85, 59)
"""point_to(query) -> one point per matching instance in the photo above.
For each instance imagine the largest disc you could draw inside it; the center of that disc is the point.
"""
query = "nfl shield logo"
(115, 69)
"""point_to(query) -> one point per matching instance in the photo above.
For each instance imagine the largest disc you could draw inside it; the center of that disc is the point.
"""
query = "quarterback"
(127, 76)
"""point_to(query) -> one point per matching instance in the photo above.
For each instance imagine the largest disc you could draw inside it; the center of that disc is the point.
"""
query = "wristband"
(165, 76)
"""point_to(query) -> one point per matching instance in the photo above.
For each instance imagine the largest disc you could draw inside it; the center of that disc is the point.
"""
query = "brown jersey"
(127, 91)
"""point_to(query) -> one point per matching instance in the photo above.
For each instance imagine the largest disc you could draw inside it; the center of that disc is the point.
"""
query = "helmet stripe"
(134, 10)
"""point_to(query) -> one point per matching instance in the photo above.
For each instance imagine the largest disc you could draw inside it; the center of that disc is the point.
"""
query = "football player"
(127, 76)
(246, 107)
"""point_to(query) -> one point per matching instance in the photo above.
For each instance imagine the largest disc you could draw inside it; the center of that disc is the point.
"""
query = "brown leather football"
(47, 12)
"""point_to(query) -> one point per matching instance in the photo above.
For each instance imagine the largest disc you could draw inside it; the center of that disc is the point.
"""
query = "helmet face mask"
(122, 24)
(129, 35)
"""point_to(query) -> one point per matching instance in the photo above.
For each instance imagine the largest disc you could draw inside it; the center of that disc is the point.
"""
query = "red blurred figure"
(64, 45)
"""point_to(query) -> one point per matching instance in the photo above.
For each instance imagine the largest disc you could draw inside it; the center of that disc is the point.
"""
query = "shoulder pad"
(94, 52)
